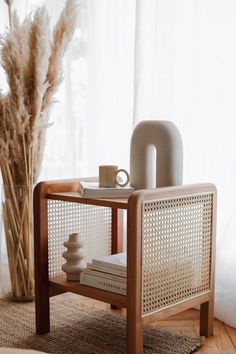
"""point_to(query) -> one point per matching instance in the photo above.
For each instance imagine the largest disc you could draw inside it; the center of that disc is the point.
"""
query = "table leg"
(117, 231)
(207, 317)
(134, 278)
(134, 333)
(41, 261)
(117, 235)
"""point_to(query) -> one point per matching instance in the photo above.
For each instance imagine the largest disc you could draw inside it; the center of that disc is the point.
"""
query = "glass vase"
(18, 224)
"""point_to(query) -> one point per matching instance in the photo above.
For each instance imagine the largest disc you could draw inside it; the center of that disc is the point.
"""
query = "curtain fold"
(185, 72)
(110, 83)
(91, 122)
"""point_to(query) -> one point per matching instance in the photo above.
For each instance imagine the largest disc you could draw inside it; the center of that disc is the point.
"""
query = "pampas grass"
(32, 59)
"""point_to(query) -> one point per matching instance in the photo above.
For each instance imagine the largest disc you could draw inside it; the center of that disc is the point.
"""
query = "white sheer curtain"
(110, 84)
(185, 72)
(137, 59)
(92, 121)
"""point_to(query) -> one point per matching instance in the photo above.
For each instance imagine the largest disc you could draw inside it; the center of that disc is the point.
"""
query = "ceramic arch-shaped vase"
(167, 141)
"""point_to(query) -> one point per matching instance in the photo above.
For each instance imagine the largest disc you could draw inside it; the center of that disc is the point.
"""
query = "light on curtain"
(185, 72)
(110, 82)
(91, 122)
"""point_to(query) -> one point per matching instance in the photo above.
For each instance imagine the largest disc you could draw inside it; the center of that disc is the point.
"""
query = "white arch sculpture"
(166, 139)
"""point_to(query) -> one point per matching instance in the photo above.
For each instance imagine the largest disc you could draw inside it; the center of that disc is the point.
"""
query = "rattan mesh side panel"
(93, 223)
(176, 250)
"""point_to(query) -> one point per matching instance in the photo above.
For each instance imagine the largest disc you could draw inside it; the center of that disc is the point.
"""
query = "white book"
(92, 190)
(107, 276)
(106, 270)
(115, 261)
(103, 284)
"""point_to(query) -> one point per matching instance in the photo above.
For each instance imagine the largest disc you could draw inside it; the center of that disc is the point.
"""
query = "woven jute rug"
(79, 329)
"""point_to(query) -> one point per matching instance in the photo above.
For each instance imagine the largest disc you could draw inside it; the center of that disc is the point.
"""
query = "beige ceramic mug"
(108, 176)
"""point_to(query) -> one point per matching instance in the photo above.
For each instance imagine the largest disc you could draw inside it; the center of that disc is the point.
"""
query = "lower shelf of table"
(61, 285)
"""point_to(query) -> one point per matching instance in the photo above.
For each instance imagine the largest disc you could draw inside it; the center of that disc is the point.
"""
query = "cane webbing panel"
(93, 224)
(176, 250)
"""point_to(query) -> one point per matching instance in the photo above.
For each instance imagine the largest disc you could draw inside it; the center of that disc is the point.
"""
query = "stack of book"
(107, 273)
(92, 190)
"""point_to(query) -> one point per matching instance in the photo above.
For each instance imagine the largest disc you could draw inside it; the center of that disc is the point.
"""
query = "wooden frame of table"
(46, 287)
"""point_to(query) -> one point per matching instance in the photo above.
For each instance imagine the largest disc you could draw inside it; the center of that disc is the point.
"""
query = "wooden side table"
(170, 250)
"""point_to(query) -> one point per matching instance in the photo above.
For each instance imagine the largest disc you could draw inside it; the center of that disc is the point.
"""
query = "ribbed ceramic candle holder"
(74, 257)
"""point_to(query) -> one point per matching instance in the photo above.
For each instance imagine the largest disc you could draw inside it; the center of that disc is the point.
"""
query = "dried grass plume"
(32, 59)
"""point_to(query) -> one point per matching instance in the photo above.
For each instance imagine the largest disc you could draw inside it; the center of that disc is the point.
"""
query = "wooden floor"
(187, 322)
